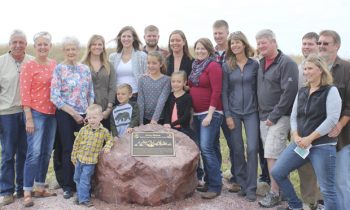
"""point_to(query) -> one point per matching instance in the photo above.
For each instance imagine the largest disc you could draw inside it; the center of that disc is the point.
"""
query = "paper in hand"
(303, 153)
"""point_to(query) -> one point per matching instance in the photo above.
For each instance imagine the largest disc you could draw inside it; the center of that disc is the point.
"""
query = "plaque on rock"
(152, 144)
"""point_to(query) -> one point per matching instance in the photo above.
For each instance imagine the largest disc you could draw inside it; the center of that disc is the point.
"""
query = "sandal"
(28, 201)
(43, 194)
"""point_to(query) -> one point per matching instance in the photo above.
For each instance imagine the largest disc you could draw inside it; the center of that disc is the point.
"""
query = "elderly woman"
(205, 83)
(103, 76)
(240, 105)
(315, 112)
(71, 92)
(179, 57)
(129, 62)
(35, 82)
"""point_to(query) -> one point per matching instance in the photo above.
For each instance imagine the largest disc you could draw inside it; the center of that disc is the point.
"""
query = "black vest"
(312, 112)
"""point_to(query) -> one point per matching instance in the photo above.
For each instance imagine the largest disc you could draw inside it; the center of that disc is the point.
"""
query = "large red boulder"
(151, 180)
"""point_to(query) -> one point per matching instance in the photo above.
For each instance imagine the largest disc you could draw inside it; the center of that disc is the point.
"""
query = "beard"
(152, 44)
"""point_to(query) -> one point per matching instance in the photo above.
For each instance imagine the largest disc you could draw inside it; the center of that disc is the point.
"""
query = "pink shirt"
(35, 83)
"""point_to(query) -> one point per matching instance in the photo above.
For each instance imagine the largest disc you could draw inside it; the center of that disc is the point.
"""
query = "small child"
(87, 145)
(154, 90)
(125, 115)
(179, 106)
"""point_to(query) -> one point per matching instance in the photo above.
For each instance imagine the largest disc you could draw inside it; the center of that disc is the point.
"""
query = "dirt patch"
(226, 201)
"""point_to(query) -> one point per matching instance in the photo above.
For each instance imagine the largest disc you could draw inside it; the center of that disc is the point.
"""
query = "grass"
(226, 163)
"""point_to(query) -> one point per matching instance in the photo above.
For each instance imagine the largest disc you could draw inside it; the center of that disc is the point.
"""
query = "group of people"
(82, 107)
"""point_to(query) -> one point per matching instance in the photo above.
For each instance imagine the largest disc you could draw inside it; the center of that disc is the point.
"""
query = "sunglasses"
(324, 43)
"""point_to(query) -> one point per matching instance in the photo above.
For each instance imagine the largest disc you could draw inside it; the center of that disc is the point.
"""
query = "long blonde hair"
(103, 55)
(326, 76)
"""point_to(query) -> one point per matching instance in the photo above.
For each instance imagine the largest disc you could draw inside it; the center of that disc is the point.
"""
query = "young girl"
(177, 114)
(125, 115)
(154, 90)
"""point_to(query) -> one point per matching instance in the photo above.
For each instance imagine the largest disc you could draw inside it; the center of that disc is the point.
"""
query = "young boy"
(125, 115)
(87, 146)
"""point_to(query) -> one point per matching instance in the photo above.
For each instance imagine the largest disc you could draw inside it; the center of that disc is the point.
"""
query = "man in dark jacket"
(277, 88)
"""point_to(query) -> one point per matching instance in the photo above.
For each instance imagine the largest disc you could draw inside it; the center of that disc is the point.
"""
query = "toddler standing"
(87, 145)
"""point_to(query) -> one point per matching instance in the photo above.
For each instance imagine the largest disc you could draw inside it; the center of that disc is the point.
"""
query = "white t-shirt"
(125, 75)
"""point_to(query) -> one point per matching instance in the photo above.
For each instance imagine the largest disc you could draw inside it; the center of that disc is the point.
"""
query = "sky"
(289, 19)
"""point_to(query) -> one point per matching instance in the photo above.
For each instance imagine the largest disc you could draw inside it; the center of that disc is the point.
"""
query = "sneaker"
(270, 200)
(6, 200)
(234, 187)
(87, 204)
(67, 194)
(262, 188)
(210, 195)
(251, 197)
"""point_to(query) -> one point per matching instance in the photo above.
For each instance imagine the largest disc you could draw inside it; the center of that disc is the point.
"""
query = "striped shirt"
(89, 143)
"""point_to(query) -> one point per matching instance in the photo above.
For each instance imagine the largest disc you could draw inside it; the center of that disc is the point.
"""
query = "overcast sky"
(290, 20)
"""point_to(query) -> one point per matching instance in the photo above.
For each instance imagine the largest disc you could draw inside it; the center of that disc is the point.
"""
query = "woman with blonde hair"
(315, 112)
(103, 76)
(240, 107)
(40, 117)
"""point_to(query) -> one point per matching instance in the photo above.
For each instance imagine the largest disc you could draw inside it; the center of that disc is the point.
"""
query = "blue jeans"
(40, 145)
(246, 171)
(343, 177)
(227, 134)
(323, 160)
(207, 138)
(13, 142)
(82, 178)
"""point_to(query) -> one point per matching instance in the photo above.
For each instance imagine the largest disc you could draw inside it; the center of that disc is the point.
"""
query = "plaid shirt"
(89, 143)
(220, 58)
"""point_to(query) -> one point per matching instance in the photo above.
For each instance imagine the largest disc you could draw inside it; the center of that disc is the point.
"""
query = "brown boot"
(210, 195)
(28, 201)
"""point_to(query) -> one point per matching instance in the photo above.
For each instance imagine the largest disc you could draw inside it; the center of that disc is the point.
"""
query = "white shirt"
(125, 75)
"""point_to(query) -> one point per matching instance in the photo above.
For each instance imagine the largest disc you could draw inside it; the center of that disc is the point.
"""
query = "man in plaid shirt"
(87, 146)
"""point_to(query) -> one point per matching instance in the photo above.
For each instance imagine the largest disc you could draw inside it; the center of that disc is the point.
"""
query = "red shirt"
(268, 63)
(35, 83)
(208, 92)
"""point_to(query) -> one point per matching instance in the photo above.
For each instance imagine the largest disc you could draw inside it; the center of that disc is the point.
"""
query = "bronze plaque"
(152, 144)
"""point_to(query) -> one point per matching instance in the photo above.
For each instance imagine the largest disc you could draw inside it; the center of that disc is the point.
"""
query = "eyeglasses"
(324, 43)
